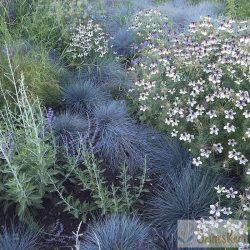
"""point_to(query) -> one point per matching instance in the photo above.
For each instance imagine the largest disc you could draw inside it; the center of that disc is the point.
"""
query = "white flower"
(209, 98)
(247, 113)
(197, 161)
(230, 227)
(220, 189)
(205, 152)
(229, 114)
(215, 223)
(211, 114)
(214, 130)
(215, 210)
(229, 128)
(226, 211)
(241, 228)
(248, 133)
(233, 154)
(247, 193)
(186, 137)
(246, 207)
(243, 246)
(174, 122)
(248, 172)
(183, 91)
(218, 147)
(174, 133)
(230, 193)
(232, 142)
(143, 108)
(242, 159)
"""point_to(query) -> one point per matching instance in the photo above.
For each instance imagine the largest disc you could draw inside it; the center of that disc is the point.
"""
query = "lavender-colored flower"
(50, 116)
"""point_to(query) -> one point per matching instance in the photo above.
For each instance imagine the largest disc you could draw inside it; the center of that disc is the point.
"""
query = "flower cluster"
(88, 40)
(150, 25)
(196, 86)
(221, 217)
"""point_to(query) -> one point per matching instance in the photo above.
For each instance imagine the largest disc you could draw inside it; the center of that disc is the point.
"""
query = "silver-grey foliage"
(118, 232)
(84, 96)
(190, 196)
(19, 238)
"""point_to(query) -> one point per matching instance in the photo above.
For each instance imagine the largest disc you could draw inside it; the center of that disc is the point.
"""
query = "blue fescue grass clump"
(118, 140)
(105, 71)
(166, 157)
(69, 126)
(18, 238)
(122, 41)
(118, 232)
(84, 96)
(182, 13)
(190, 197)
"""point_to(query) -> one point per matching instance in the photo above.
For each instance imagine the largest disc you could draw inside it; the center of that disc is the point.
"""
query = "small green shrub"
(239, 9)
(120, 194)
(25, 152)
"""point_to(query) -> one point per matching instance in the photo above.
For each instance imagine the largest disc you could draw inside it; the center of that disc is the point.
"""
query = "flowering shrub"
(149, 25)
(88, 40)
(221, 215)
(196, 86)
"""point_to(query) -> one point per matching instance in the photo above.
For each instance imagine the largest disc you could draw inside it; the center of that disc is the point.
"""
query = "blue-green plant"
(189, 198)
(105, 71)
(117, 139)
(118, 232)
(122, 42)
(165, 156)
(84, 96)
(19, 237)
(68, 126)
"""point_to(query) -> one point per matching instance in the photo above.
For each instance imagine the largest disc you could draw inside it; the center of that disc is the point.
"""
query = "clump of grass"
(117, 232)
(117, 137)
(190, 196)
(182, 13)
(69, 126)
(84, 96)
(105, 71)
(19, 238)
(41, 76)
(122, 41)
(166, 157)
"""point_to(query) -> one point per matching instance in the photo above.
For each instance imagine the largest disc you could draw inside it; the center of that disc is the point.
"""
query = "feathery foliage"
(41, 76)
